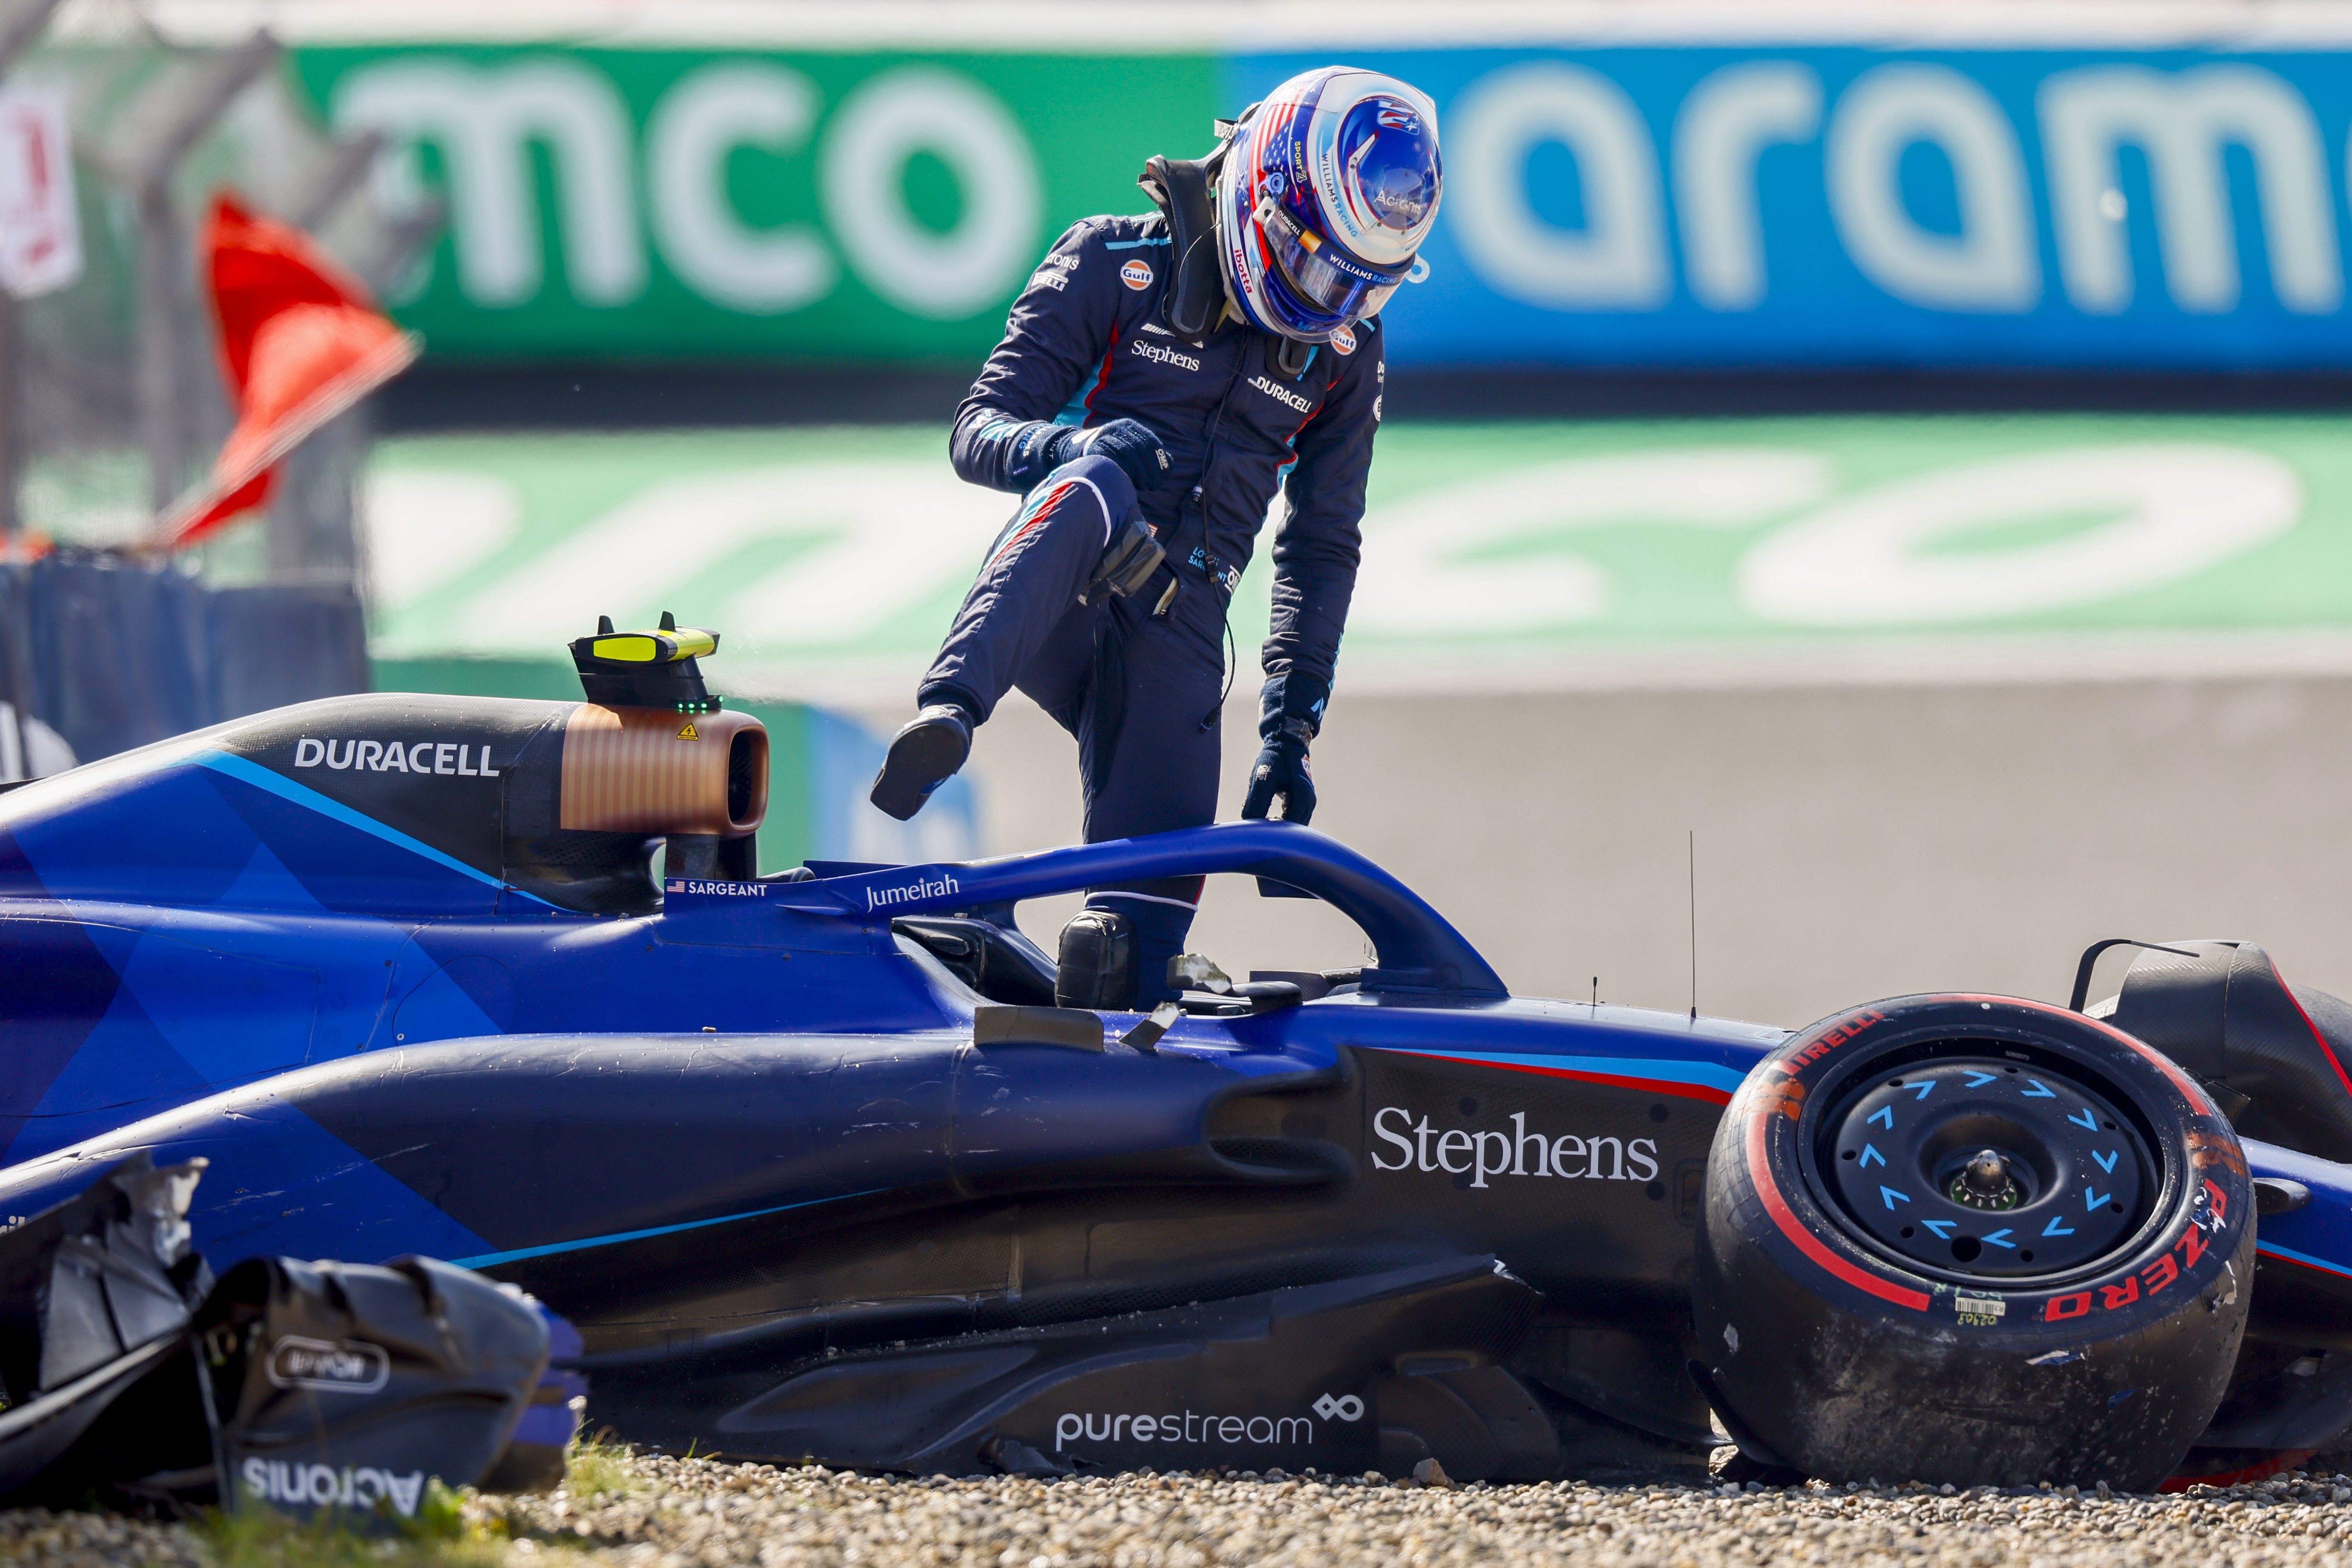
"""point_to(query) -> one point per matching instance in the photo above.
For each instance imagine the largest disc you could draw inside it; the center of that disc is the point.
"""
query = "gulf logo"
(1136, 274)
(1344, 340)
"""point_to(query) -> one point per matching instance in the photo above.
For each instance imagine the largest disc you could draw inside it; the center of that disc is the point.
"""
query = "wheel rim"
(1978, 1166)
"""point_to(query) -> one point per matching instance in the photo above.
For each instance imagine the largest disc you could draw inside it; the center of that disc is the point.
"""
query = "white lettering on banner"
(1873, 559)
(1191, 1426)
(1490, 1153)
(1721, 129)
(1430, 564)
(426, 528)
(877, 542)
(882, 898)
(40, 223)
(698, 121)
(443, 757)
(1281, 394)
(1617, 261)
(494, 122)
(925, 108)
(2181, 123)
(1990, 264)
(323, 1486)
(485, 122)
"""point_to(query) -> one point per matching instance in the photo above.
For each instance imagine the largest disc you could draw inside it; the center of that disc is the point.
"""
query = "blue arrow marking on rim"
(1885, 1110)
(2085, 1120)
(1869, 1152)
(1999, 1238)
(2039, 1091)
(1979, 1079)
(2093, 1197)
(1888, 1196)
(2107, 1161)
(1927, 1088)
(2054, 1229)
(1942, 1227)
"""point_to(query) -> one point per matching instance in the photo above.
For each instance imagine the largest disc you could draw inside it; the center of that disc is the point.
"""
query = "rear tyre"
(1972, 1239)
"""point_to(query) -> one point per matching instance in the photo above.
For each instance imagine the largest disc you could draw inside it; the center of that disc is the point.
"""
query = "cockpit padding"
(2228, 1017)
(1002, 965)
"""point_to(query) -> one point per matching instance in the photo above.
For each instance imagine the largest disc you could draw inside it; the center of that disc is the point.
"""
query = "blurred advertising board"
(666, 203)
(1494, 554)
(2045, 207)
(1655, 202)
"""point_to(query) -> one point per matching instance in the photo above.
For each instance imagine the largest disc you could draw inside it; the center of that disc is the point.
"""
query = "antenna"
(1596, 993)
(1693, 846)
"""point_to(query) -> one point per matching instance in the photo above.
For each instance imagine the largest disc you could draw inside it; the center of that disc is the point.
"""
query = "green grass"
(438, 1537)
(596, 1468)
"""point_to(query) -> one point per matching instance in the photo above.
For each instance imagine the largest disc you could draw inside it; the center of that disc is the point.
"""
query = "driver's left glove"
(1290, 714)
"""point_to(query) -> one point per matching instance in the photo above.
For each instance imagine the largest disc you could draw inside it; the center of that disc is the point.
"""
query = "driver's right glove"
(1129, 443)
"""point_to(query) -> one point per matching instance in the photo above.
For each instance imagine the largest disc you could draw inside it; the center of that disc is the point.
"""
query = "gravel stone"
(671, 1512)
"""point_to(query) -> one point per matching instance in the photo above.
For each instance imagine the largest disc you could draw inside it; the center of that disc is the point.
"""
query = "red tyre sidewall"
(1770, 1241)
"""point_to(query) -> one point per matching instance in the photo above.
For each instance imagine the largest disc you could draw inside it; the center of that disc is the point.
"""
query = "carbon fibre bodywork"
(741, 1133)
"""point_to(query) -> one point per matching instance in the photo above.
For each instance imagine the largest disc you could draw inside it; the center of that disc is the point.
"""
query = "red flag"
(300, 342)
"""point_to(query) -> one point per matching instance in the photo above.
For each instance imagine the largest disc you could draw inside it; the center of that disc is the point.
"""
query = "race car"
(822, 1165)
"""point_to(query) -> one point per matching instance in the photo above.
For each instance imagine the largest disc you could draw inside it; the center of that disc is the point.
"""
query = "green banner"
(833, 559)
(675, 204)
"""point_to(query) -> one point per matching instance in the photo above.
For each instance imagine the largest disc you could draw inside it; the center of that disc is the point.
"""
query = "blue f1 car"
(820, 1167)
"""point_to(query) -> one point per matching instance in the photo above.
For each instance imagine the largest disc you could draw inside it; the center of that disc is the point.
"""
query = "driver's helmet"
(1330, 186)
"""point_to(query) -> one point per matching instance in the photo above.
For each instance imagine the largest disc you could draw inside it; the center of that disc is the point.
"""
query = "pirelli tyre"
(1971, 1240)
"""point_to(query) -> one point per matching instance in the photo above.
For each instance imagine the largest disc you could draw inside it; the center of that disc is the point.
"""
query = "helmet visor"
(1320, 279)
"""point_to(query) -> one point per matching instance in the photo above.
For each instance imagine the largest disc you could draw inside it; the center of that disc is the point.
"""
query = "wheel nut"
(1984, 1183)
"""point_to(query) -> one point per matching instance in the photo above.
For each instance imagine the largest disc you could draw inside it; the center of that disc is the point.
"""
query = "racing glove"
(1132, 445)
(1039, 447)
(1290, 714)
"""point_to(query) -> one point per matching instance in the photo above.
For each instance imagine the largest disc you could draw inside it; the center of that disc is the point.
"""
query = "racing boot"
(922, 756)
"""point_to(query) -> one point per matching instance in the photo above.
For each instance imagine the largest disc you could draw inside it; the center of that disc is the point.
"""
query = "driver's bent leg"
(1031, 583)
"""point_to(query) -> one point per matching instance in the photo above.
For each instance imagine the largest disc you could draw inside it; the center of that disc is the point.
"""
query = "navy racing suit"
(1139, 680)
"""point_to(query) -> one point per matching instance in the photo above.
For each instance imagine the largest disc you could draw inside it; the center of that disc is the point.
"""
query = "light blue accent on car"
(1658, 1069)
(2273, 1248)
(259, 777)
(488, 1259)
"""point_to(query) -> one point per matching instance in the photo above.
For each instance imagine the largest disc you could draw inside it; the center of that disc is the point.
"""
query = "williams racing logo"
(1160, 355)
(349, 1366)
(1281, 394)
(1521, 1151)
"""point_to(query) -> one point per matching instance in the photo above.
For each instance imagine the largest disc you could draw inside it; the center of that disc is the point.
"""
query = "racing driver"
(1160, 380)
